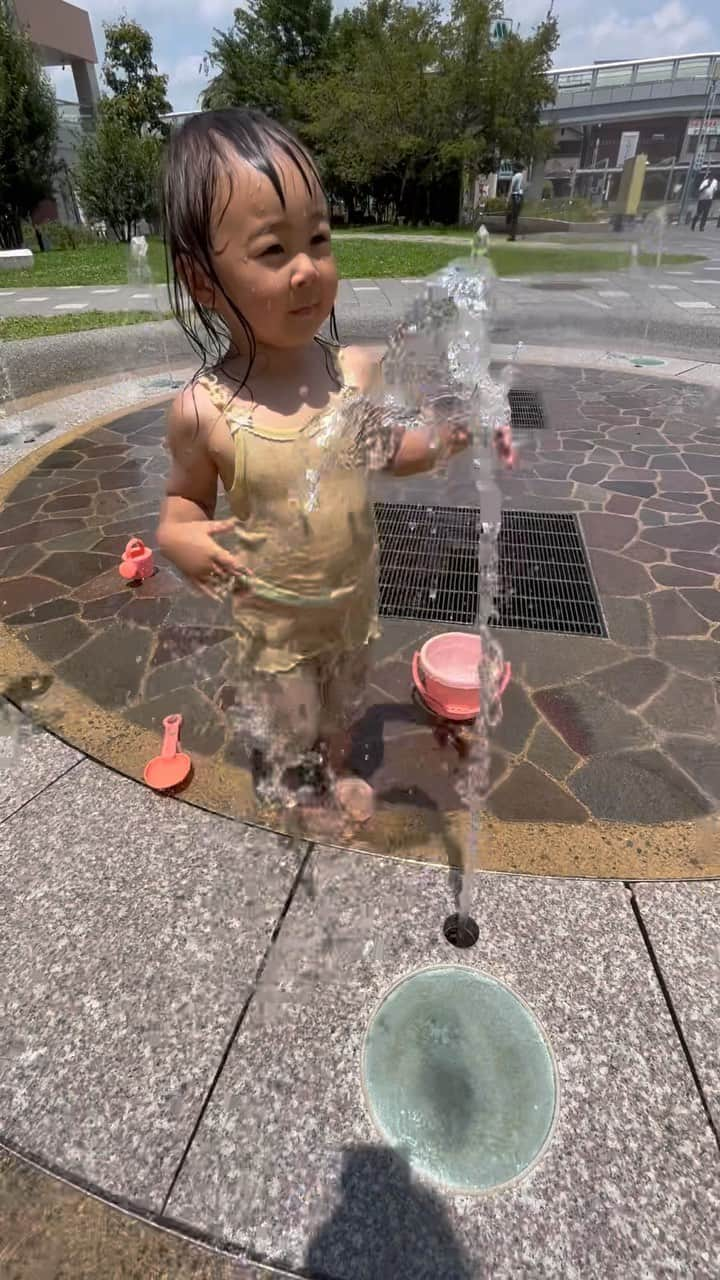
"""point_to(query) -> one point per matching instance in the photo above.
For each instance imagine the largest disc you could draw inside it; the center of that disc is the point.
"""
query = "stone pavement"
(620, 730)
(183, 999)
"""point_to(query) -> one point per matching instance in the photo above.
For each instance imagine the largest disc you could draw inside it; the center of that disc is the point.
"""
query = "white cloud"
(636, 31)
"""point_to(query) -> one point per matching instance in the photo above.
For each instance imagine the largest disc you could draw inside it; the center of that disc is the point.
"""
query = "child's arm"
(187, 528)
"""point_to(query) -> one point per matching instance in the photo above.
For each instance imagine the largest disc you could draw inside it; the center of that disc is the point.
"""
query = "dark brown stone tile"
(19, 513)
(19, 594)
(695, 560)
(106, 606)
(696, 535)
(608, 531)
(84, 487)
(107, 584)
(76, 568)
(39, 531)
(673, 616)
(203, 727)
(527, 795)
(52, 641)
(628, 621)
(696, 657)
(186, 672)
(619, 505)
(705, 600)
(146, 611)
(668, 505)
(627, 487)
(672, 575)
(700, 758)
(61, 460)
(541, 660)
(550, 753)
(179, 641)
(37, 485)
(588, 720)
(589, 473)
(66, 502)
(110, 667)
(711, 511)
(702, 464)
(631, 475)
(618, 576)
(630, 683)
(47, 612)
(18, 560)
(637, 786)
(129, 476)
(651, 519)
(644, 553)
(685, 705)
(679, 482)
(519, 719)
(667, 461)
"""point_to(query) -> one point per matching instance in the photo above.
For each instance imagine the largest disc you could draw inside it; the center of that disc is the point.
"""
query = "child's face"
(276, 264)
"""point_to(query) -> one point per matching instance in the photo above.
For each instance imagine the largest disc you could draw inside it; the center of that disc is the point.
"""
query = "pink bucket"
(445, 672)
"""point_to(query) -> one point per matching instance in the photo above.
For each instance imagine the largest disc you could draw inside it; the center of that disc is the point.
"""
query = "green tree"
(494, 97)
(373, 114)
(28, 132)
(259, 60)
(139, 90)
(118, 173)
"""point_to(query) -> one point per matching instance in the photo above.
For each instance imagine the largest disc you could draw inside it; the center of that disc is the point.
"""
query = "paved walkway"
(184, 999)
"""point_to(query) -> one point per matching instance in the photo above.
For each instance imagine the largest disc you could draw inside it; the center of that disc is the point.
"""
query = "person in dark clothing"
(706, 195)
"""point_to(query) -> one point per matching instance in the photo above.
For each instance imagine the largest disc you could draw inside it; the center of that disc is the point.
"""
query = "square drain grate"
(526, 410)
(428, 569)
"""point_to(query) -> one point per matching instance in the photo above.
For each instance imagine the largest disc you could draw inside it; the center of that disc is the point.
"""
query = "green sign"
(500, 29)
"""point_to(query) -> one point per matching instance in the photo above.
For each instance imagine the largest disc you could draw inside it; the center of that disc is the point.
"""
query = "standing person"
(515, 201)
(706, 195)
(277, 414)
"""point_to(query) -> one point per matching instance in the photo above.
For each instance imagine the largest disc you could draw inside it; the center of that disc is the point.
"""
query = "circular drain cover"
(459, 1076)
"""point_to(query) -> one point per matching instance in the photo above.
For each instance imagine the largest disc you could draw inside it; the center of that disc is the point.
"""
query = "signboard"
(711, 130)
(628, 147)
(500, 29)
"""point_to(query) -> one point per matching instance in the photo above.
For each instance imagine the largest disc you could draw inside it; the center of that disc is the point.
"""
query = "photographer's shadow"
(387, 1226)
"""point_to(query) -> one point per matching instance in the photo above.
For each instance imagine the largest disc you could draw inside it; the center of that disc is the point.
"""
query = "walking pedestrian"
(706, 195)
(515, 200)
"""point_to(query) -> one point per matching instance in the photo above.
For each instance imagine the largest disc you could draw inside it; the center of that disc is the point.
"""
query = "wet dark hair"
(195, 166)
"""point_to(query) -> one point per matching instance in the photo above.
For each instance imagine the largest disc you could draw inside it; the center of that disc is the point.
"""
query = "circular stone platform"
(607, 761)
(459, 1077)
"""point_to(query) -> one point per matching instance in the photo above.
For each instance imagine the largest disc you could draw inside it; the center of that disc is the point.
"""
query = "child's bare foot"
(356, 797)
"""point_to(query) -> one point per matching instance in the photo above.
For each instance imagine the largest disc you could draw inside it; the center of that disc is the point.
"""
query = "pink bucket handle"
(417, 671)
(504, 679)
(172, 726)
(134, 548)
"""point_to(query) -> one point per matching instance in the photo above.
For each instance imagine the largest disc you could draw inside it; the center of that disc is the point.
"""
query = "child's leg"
(342, 698)
(281, 716)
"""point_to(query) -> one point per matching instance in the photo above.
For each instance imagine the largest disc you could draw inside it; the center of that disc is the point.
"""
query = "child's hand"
(191, 546)
(452, 439)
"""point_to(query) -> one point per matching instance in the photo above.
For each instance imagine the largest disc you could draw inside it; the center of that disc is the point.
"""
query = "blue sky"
(620, 29)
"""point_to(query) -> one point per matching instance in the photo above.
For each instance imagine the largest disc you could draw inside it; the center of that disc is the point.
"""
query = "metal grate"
(428, 569)
(526, 410)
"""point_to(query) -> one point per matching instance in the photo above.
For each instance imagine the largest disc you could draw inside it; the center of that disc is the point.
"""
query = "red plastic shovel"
(171, 767)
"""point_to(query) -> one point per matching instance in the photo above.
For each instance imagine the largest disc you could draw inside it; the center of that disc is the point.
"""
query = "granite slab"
(683, 924)
(287, 1164)
(30, 759)
(131, 930)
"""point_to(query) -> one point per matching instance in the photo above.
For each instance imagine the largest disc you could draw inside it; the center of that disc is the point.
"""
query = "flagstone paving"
(619, 731)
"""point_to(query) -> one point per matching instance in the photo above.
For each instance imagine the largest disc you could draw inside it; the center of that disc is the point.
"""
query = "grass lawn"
(13, 328)
(357, 259)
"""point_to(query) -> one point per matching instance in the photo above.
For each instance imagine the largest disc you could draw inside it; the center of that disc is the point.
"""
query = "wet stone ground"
(620, 729)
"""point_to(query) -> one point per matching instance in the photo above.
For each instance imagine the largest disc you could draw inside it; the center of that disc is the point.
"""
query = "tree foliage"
(269, 46)
(139, 90)
(404, 102)
(28, 132)
(118, 173)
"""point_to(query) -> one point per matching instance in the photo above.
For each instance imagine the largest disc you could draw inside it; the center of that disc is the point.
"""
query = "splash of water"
(140, 276)
(437, 370)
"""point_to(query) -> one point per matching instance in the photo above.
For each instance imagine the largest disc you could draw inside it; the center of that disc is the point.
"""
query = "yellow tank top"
(307, 532)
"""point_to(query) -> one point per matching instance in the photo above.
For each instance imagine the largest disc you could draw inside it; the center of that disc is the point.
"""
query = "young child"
(281, 418)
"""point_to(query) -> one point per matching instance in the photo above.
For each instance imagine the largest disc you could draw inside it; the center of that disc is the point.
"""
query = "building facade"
(665, 108)
(62, 36)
